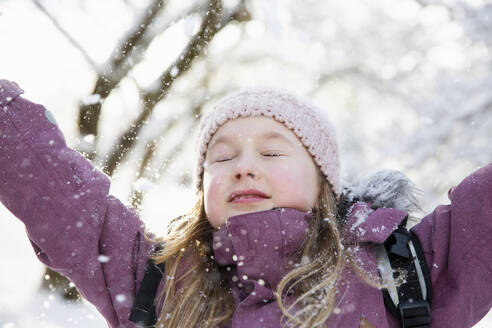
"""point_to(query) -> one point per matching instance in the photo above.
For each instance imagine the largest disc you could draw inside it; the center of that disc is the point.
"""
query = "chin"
(250, 210)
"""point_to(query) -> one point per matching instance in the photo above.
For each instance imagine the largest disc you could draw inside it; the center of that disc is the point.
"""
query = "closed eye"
(272, 154)
(264, 154)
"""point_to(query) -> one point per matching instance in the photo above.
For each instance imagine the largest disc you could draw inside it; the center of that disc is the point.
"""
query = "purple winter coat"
(71, 221)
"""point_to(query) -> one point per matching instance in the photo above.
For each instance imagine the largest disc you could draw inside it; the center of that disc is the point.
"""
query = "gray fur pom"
(386, 188)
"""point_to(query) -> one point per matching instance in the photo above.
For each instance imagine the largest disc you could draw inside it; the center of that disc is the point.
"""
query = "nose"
(245, 168)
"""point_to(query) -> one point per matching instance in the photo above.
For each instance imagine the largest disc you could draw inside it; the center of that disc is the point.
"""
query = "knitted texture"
(302, 117)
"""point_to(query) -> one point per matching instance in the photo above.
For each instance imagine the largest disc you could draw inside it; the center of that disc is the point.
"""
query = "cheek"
(213, 186)
(294, 185)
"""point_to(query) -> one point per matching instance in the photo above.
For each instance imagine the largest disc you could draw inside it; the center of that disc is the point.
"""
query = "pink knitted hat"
(298, 114)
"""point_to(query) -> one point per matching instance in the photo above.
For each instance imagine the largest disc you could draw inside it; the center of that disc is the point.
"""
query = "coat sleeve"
(74, 226)
(456, 239)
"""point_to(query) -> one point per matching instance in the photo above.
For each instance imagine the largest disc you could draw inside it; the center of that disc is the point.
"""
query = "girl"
(273, 239)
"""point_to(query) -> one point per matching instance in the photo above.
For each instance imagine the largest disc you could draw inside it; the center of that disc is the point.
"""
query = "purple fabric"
(260, 248)
(458, 246)
(76, 228)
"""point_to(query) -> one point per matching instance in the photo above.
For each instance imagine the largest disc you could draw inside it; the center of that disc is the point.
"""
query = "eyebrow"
(267, 136)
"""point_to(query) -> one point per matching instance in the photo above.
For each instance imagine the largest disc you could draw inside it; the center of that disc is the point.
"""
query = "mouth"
(247, 196)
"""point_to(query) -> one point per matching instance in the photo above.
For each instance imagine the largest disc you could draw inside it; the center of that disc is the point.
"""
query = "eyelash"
(272, 154)
(267, 155)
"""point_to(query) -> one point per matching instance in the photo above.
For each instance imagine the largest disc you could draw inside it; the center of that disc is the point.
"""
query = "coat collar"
(254, 251)
(366, 225)
(261, 246)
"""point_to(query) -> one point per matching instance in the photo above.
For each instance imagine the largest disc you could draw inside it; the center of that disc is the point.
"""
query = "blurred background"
(406, 83)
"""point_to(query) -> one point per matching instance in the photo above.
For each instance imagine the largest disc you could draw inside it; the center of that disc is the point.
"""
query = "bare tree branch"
(134, 46)
(67, 35)
(137, 195)
(197, 8)
(116, 68)
(125, 47)
(145, 171)
(210, 26)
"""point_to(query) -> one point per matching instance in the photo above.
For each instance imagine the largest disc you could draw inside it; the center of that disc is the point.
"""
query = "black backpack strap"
(410, 300)
(143, 310)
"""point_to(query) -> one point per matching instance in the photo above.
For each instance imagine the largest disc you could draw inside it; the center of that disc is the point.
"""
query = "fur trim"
(385, 188)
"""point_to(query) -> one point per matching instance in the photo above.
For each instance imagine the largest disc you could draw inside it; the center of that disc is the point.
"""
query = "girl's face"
(254, 164)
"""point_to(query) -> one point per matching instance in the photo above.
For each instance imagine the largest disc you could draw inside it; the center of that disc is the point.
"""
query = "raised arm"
(457, 241)
(75, 227)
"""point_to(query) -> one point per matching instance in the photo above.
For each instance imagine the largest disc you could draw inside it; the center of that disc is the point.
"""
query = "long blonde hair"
(200, 298)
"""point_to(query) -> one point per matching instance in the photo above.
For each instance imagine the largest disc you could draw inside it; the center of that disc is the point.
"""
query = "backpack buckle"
(415, 315)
